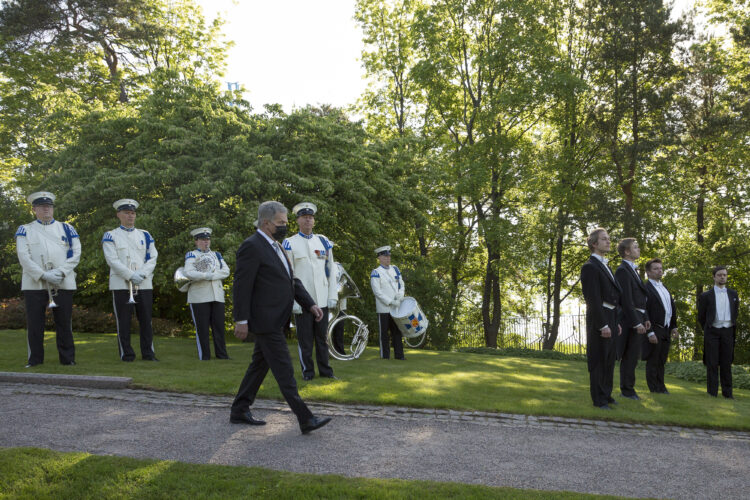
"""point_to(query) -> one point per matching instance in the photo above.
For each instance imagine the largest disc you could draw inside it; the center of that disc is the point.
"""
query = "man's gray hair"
(268, 209)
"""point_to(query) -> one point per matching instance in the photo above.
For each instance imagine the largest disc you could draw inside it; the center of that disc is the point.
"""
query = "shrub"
(523, 352)
(88, 320)
(695, 371)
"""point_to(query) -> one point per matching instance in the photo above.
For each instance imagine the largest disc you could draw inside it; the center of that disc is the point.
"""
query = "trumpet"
(51, 292)
(132, 287)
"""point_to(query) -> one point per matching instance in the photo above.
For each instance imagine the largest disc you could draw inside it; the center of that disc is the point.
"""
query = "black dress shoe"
(605, 407)
(32, 365)
(634, 397)
(728, 396)
(245, 418)
(150, 359)
(611, 402)
(334, 377)
(308, 377)
(313, 423)
(664, 391)
(69, 363)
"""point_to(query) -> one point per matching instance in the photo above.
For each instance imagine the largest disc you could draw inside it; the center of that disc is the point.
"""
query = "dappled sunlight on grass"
(427, 379)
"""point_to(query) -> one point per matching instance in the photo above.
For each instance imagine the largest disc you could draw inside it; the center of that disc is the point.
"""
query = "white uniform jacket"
(205, 286)
(125, 247)
(310, 255)
(38, 244)
(387, 285)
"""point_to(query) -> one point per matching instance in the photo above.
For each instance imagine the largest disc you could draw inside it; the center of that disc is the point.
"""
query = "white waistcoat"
(309, 257)
(127, 252)
(42, 247)
(387, 284)
(202, 288)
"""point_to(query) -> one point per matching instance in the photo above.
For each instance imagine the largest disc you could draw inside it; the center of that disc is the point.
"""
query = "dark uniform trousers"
(338, 337)
(386, 324)
(271, 351)
(209, 315)
(629, 361)
(310, 332)
(656, 359)
(123, 313)
(36, 302)
(602, 369)
(718, 352)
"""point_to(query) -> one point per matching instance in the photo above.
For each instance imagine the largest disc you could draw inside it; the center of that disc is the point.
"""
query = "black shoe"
(605, 407)
(728, 396)
(69, 363)
(150, 359)
(245, 418)
(664, 391)
(634, 397)
(313, 423)
(308, 377)
(401, 359)
(32, 365)
(128, 360)
(334, 377)
(712, 395)
(225, 358)
(611, 401)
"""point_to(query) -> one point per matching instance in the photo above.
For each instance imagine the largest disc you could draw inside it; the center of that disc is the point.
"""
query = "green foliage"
(695, 371)
(523, 353)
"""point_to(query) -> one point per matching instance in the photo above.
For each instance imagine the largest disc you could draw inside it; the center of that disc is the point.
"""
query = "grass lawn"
(43, 474)
(428, 379)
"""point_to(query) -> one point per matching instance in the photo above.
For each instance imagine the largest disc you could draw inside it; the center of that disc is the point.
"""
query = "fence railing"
(529, 333)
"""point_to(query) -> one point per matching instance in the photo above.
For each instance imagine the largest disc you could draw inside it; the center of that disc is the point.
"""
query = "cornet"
(131, 287)
(48, 266)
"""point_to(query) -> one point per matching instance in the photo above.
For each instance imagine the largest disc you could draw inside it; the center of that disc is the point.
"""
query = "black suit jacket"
(598, 286)
(634, 296)
(707, 308)
(264, 292)
(656, 313)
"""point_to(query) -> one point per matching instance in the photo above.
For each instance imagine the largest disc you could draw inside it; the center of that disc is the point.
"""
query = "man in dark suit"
(633, 315)
(717, 315)
(602, 295)
(264, 291)
(663, 315)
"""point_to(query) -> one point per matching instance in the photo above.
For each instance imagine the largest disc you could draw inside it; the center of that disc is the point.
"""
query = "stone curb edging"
(391, 412)
(59, 379)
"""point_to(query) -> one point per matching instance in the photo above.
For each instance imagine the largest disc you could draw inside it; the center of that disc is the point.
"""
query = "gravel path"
(548, 453)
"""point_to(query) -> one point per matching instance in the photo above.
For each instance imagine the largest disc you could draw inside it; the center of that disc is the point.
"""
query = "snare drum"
(409, 318)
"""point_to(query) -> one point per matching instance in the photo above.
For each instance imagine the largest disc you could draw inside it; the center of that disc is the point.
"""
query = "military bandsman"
(206, 270)
(48, 251)
(131, 255)
(312, 260)
(388, 287)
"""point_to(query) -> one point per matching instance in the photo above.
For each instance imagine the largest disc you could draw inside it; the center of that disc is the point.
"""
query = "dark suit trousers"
(309, 333)
(36, 302)
(386, 323)
(718, 349)
(656, 358)
(271, 352)
(209, 315)
(123, 314)
(601, 354)
(629, 361)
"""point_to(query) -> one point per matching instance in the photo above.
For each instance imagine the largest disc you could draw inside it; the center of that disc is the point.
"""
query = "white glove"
(332, 303)
(208, 276)
(54, 277)
(137, 277)
(395, 302)
(297, 309)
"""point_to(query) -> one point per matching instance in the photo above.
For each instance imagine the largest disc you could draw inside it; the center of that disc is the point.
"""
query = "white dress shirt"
(723, 317)
(665, 300)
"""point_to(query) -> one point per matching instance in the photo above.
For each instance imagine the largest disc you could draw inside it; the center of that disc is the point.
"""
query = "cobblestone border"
(385, 412)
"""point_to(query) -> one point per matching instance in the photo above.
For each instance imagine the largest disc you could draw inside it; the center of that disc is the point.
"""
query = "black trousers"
(271, 352)
(718, 351)
(123, 312)
(36, 307)
(630, 356)
(209, 315)
(656, 358)
(338, 337)
(386, 324)
(601, 361)
(309, 333)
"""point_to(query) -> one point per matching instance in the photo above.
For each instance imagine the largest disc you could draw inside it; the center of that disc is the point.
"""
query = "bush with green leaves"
(695, 371)
(523, 352)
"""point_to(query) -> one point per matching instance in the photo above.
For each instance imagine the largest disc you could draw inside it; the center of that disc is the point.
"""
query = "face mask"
(280, 232)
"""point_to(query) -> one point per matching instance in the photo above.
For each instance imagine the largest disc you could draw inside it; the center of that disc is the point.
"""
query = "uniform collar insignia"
(46, 223)
(128, 229)
(306, 236)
